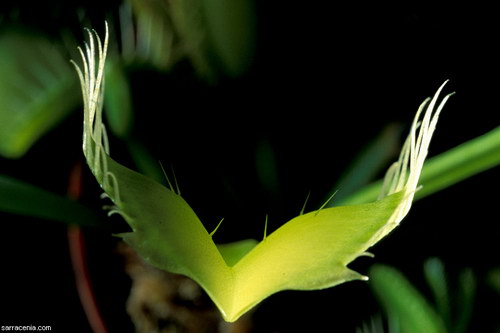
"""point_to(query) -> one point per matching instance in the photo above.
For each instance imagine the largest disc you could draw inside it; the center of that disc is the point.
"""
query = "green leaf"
(233, 252)
(311, 251)
(403, 302)
(465, 301)
(18, 197)
(448, 168)
(216, 35)
(231, 26)
(189, 22)
(266, 166)
(494, 279)
(151, 40)
(436, 278)
(368, 164)
(118, 99)
(145, 162)
(37, 90)
(376, 325)
(459, 163)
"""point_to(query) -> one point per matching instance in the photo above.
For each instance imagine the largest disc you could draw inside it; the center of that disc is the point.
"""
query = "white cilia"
(311, 251)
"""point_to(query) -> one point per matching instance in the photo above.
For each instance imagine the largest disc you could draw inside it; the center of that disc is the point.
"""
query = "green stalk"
(404, 304)
(22, 198)
(446, 169)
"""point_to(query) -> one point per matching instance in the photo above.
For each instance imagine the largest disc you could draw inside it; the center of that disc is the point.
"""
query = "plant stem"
(446, 169)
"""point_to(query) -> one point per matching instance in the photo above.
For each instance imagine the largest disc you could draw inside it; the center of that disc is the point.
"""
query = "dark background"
(325, 80)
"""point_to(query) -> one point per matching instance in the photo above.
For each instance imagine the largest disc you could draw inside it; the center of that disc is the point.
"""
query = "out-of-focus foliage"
(376, 325)
(147, 34)
(494, 279)
(38, 89)
(437, 281)
(231, 31)
(448, 168)
(267, 168)
(409, 311)
(372, 160)
(217, 36)
(18, 197)
(38, 86)
(118, 99)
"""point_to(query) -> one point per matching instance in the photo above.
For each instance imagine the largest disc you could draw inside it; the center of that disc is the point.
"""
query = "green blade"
(372, 160)
(231, 26)
(403, 302)
(493, 279)
(448, 168)
(266, 167)
(189, 22)
(145, 162)
(465, 302)
(118, 99)
(37, 90)
(18, 197)
(216, 35)
(150, 39)
(436, 278)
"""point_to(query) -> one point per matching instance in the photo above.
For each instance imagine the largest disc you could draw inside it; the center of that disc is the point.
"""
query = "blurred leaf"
(267, 172)
(394, 325)
(118, 99)
(465, 301)
(38, 88)
(145, 162)
(18, 197)
(152, 38)
(376, 325)
(187, 17)
(436, 278)
(211, 33)
(231, 26)
(368, 164)
(494, 279)
(233, 252)
(403, 302)
(461, 162)
(446, 169)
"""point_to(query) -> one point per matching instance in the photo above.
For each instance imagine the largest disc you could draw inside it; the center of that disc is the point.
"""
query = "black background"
(325, 80)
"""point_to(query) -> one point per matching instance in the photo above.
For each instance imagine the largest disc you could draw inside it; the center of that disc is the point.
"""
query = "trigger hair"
(265, 228)
(305, 203)
(175, 189)
(326, 202)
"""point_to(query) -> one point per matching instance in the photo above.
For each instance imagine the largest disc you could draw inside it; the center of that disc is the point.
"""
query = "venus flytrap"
(311, 251)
